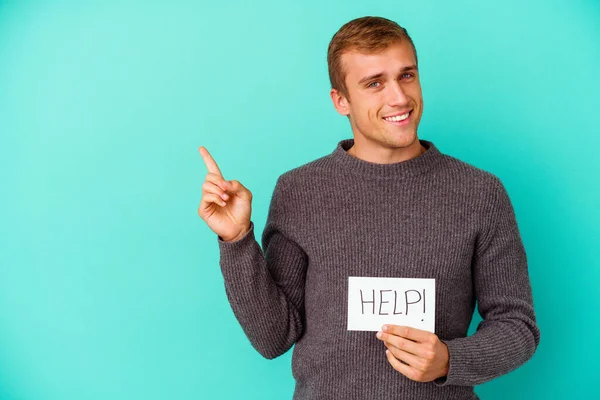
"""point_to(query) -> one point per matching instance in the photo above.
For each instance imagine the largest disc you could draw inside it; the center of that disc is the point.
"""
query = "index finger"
(408, 332)
(209, 161)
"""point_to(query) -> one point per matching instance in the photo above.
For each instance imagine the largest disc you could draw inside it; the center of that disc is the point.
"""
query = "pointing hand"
(225, 206)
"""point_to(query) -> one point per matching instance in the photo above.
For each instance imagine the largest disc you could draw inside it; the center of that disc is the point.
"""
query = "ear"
(339, 102)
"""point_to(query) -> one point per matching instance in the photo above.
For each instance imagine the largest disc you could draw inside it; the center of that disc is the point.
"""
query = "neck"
(406, 155)
(421, 161)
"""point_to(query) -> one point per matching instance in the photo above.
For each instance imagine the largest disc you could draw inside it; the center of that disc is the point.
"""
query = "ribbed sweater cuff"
(459, 371)
(234, 255)
(454, 352)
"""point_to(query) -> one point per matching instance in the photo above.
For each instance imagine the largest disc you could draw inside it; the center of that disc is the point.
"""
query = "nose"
(396, 95)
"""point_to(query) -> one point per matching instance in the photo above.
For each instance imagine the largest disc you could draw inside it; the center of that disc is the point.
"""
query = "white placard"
(373, 302)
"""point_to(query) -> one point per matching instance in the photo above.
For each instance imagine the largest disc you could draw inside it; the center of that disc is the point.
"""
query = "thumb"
(238, 189)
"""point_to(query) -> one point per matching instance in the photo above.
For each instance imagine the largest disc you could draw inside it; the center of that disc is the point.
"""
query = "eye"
(410, 74)
(370, 85)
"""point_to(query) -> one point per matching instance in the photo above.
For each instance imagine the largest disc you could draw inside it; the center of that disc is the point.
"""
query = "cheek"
(420, 108)
(419, 96)
(372, 114)
(372, 109)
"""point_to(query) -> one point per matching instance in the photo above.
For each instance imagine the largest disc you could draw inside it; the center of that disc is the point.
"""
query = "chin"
(404, 139)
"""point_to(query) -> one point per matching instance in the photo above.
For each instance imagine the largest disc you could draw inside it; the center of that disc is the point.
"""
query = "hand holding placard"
(419, 355)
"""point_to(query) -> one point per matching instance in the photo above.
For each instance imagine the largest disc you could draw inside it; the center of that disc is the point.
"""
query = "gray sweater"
(432, 216)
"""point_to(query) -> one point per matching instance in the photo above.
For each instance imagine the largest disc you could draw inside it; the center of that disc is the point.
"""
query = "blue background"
(110, 286)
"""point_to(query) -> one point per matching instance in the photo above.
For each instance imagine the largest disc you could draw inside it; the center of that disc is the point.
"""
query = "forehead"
(393, 58)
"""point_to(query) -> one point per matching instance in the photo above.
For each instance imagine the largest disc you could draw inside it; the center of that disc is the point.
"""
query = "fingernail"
(379, 334)
(385, 328)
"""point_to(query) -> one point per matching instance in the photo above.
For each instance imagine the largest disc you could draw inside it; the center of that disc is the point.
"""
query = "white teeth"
(397, 118)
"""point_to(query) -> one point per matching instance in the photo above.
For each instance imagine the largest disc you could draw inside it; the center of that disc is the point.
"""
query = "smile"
(398, 119)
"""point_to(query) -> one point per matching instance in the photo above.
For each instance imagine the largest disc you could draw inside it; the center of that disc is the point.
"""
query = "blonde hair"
(366, 35)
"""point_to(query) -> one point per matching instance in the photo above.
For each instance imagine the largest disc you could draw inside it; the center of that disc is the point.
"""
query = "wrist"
(446, 368)
(240, 235)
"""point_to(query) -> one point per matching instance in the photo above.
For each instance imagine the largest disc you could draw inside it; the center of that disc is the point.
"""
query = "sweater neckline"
(402, 169)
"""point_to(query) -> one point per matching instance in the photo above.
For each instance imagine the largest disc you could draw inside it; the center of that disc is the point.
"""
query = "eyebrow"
(381, 74)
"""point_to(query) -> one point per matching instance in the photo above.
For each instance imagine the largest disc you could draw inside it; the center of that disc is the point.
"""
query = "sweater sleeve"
(266, 288)
(508, 334)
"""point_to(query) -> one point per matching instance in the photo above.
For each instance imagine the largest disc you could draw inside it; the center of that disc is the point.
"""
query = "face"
(382, 87)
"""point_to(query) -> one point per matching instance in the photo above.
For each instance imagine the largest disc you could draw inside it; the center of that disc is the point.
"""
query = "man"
(383, 204)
